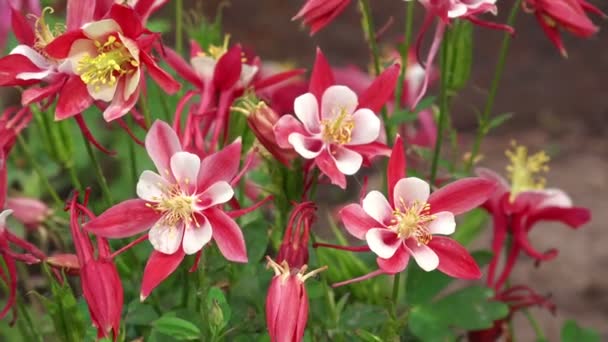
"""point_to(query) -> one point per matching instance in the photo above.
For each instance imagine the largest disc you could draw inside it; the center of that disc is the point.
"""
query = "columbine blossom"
(334, 126)
(569, 15)
(180, 205)
(319, 13)
(413, 222)
(517, 206)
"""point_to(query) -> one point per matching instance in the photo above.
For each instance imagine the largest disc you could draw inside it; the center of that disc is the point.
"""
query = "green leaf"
(139, 313)
(256, 237)
(572, 332)
(471, 226)
(363, 316)
(219, 310)
(177, 328)
(460, 55)
(498, 120)
(367, 336)
(427, 326)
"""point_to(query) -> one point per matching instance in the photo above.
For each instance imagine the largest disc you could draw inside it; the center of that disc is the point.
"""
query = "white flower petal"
(166, 239)
(443, 223)
(33, 55)
(347, 161)
(79, 49)
(376, 206)
(247, 74)
(383, 242)
(132, 81)
(367, 127)
(337, 99)
(411, 189)
(425, 257)
(306, 108)
(196, 237)
(151, 186)
(185, 167)
(35, 75)
(218, 193)
(3, 216)
(98, 30)
(103, 92)
(555, 198)
(307, 147)
(204, 66)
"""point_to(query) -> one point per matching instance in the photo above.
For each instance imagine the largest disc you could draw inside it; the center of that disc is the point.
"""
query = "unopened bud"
(261, 120)
(29, 211)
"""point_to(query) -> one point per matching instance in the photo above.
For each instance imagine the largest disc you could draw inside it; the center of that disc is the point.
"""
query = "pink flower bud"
(29, 211)
(66, 262)
(294, 248)
(261, 120)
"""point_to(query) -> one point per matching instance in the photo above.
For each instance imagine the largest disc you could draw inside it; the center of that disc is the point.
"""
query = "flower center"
(524, 169)
(338, 130)
(113, 61)
(412, 221)
(176, 206)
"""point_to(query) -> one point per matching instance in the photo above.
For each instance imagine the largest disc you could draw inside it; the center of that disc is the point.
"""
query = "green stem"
(103, 183)
(133, 162)
(405, 47)
(485, 116)
(370, 31)
(443, 105)
(179, 26)
(395, 296)
(143, 103)
(540, 336)
(39, 171)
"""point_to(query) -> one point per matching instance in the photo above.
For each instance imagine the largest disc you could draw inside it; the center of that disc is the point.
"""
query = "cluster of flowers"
(102, 58)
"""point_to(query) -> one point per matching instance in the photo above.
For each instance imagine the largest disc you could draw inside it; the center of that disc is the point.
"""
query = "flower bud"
(29, 211)
(66, 262)
(294, 248)
(261, 120)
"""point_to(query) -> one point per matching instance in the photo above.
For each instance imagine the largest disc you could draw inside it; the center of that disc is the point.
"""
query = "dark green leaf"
(363, 316)
(572, 332)
(460, 55)
(177, 328)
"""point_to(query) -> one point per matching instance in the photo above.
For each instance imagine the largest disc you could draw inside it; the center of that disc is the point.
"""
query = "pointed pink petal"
(287, 125)
(158, 268)
(383, 242)
(371, 150)
(79, 12)
(485, 173)
(336, 100)
(160, 76)
(162, 143)
(128, 20)
(327, 164)
(322, 76)
(123, 219)
(37, 94)
(454, 260)
(73, 99)
(220, 166)
(197, 235)
(227, 235)
(409, 190)
(462, 195)
(377, 207)
(376, 95)
(356, 221)
(306, 108)
(21, 28)
(277, 78)
(228, 69)
(183, 69)
(305, 146)
(119, 107)
(396, 168)
(397, 263)
(520, 230)
(347, 161)
(574, 217)
(367, 127)
(425, 257)
(443, 223)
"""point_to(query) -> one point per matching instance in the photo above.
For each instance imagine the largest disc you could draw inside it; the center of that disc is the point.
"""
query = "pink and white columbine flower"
(340, 132)
(413, 222)
(180, 205)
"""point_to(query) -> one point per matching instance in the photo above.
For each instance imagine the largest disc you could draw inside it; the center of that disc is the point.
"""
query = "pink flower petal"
(21, 28)
(409, 190)
(151, 186)
(367, 127)
(228, 69)
(397, 263)
(204, 67)
(356, 221)
(462, 195)
(73, 99)
(127, 19)
(383, 242)
(166, 82)
(185, 167)
(175, 61)
(454, 260)
(227, 235)
(222, 165)
(574, 217)
(166, 239)
(218, 193)
(79, 12)
(287, 125)
(327, 164)
(322, 76)
(336, 100)
(443, 223)
(307, 147)
(396, 168)
(162, 143)
(197, 236)
(306, 109)
(383, 87)
(123, 219)
(502, 184)
(377, 207)
(119, 107)
(159, 267)
(347, 161)
(425, 257)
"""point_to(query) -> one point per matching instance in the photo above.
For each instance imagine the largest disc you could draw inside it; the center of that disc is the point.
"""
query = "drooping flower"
(319, 13)
(261, 119)
(180, 206)
(334, 126)
(413, 222)
(517, 206)
(105, 59)
(287, 302)
(570, 15)
(99, 279)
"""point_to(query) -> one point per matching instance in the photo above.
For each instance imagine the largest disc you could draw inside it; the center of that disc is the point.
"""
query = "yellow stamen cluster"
(176, 205)
(338, 130)
(524, 169)
(43, 33)
(113, 61)
(412, 222)
(284, 271)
